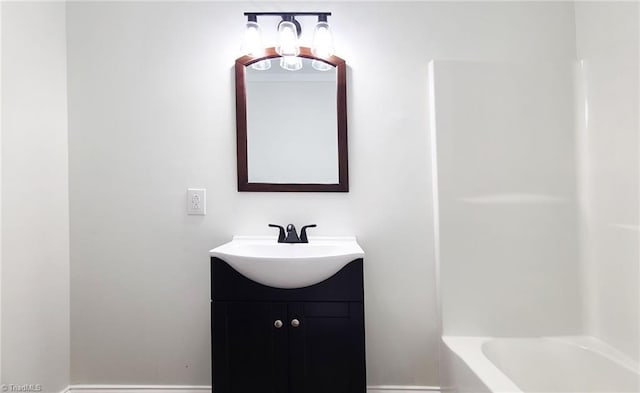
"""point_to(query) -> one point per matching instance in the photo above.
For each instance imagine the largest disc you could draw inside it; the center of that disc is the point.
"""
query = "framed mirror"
(291, 119)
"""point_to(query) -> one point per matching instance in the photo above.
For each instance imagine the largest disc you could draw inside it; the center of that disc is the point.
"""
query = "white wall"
(1, 122)
(607, 36)
(35, 214)
(151, 104)
(509, 261)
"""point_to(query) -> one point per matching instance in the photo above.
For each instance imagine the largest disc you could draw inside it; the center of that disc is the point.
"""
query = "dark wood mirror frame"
(241, 126)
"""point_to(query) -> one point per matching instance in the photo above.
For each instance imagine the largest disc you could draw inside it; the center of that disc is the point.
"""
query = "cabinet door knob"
(277, 324)
(295, 323)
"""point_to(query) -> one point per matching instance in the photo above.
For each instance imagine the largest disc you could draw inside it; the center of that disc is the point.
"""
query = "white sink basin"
(281, 265)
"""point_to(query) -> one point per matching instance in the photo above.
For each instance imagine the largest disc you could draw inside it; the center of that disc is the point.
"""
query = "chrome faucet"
(292, 235)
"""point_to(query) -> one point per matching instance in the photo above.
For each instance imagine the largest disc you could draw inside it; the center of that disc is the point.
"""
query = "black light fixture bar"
(282, 14)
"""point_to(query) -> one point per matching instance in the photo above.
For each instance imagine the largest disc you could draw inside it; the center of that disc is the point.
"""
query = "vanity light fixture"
(252, 43)
(288, 32)
(322, 45)
(288, 46)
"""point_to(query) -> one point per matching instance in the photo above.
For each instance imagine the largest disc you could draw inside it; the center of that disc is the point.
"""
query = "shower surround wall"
(151, 113)
(508, 251)
(538, 188)
(607, 36)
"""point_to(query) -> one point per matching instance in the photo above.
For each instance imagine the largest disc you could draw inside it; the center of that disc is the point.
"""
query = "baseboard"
(202, 389)
(402, 389)
(138, 389)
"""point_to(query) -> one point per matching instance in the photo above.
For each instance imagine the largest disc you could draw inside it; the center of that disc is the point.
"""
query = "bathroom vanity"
(287, 340)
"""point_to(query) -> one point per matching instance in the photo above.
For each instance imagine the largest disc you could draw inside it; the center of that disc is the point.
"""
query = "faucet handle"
(292, 234)
(303, 233)
(281, 234)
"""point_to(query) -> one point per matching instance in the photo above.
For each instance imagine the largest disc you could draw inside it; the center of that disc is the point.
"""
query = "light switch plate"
(197, 201)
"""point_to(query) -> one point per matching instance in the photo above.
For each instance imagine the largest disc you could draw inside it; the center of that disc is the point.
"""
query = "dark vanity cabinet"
(271, 340)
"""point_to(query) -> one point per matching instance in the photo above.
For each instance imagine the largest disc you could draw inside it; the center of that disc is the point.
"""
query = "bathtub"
(547, 364)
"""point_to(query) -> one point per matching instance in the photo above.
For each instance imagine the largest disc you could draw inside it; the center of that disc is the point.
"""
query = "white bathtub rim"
(470, 350)
(601, 348)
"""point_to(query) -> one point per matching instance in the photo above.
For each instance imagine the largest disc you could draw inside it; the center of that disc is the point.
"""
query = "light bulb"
(291, 63)
(261, 65)
(322, 45)
(287, 39)
(252, 42)
(321, 65)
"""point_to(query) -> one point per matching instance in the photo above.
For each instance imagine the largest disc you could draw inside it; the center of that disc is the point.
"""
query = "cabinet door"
(250, 351)
(327, 347)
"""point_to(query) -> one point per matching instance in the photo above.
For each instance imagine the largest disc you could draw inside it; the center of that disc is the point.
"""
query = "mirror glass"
(291, 123)
(292, 135)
